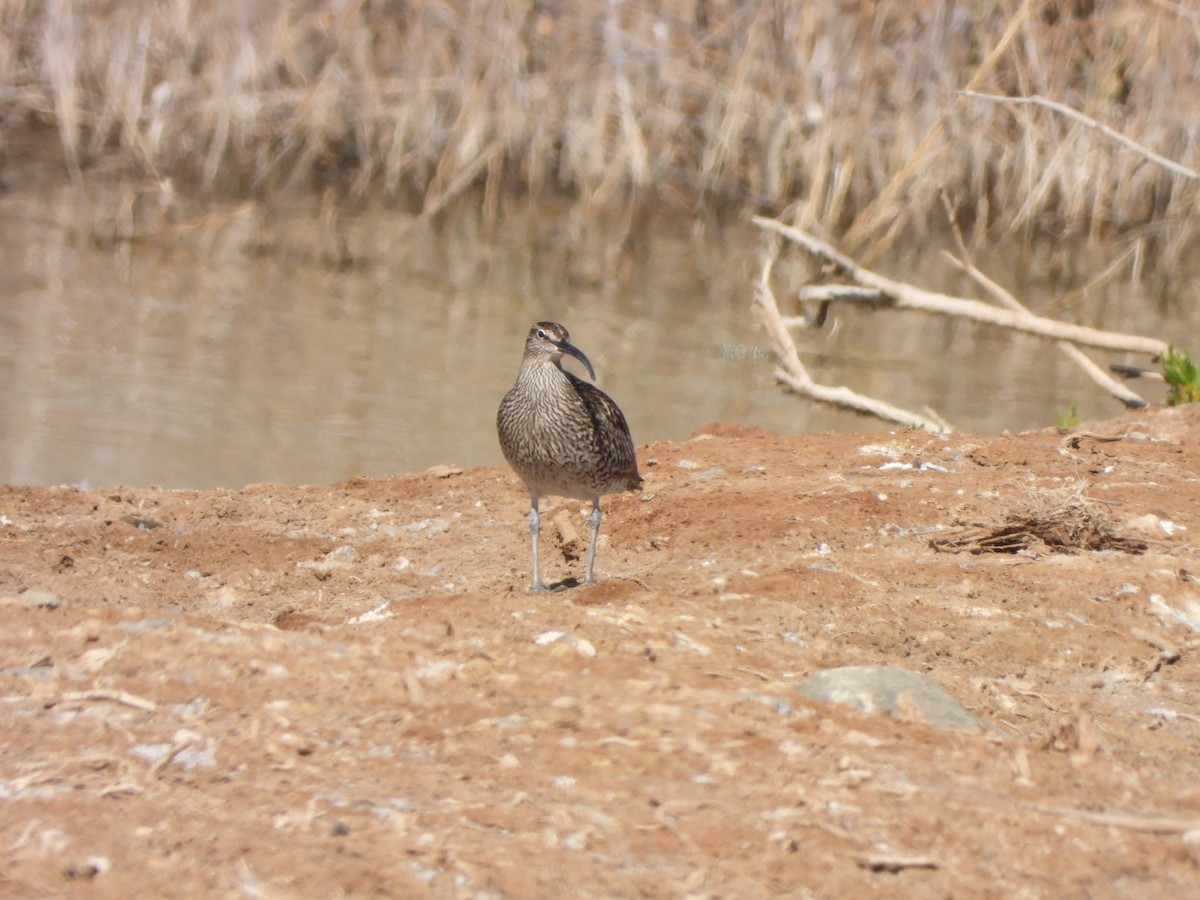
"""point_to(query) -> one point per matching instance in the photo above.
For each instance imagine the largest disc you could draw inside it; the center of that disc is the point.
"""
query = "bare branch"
(1130, 398)
(793, 374)
(905, 296)
(859, 403)
(821, 293)
(964, 262)
(1142, 150)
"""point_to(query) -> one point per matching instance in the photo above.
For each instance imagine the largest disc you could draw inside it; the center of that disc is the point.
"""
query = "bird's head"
(550, 341)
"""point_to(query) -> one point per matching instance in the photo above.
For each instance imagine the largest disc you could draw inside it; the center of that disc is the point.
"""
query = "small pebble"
(41, 600)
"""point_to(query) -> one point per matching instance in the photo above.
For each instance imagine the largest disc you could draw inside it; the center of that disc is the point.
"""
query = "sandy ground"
(346, 690)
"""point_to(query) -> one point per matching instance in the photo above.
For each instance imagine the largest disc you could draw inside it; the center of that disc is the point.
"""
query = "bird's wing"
(609, 426)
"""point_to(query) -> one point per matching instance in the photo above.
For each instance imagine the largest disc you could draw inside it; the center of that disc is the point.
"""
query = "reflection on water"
(301, 350)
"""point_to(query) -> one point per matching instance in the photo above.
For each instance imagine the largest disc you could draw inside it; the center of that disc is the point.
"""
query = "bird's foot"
(540, 587)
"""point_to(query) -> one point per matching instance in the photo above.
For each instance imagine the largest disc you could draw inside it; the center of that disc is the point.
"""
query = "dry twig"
(890, 862)
(123, 697)
(1170, 165)
(165, 760)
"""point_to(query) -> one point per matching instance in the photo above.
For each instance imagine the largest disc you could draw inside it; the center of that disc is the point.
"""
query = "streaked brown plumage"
(563, 436)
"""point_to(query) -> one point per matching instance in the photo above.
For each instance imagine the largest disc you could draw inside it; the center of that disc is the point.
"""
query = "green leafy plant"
(1068, 419)
(1182, 375)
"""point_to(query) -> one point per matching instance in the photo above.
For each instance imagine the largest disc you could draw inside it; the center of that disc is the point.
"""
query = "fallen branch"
(905, 296)
(963, 261)
(793, 373)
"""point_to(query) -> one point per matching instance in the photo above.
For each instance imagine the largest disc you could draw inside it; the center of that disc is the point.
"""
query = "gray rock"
(141, 626)
(429, 526)
(42, 600)
(36, 673)
(890, 689)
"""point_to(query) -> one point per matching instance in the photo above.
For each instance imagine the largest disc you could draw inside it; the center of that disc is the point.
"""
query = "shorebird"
(564, 437)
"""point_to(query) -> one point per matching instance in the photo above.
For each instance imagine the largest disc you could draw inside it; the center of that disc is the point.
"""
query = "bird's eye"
(542, 334)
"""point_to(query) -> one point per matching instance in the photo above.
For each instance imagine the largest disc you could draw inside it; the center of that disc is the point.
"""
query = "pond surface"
(300, 346)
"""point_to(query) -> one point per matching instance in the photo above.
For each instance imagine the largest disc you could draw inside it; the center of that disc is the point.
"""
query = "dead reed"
(1065, 520)
(847, 112)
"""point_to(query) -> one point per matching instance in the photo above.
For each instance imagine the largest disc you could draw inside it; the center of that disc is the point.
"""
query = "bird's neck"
(543, 372)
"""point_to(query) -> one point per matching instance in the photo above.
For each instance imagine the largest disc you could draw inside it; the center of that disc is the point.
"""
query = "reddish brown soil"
(347, 691)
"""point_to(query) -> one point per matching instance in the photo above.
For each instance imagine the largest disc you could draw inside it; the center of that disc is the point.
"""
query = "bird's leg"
(589, 576)
(535, 528)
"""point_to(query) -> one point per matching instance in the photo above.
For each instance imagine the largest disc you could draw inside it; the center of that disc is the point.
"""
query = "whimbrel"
(563, 436)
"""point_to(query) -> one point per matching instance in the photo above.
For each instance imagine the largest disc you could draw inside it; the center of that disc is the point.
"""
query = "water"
(298, 346)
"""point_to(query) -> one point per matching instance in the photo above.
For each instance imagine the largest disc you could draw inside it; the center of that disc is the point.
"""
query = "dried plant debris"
(1056, 521)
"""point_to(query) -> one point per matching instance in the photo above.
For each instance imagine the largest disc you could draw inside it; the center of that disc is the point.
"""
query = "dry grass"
(1056, 521)
(699, 104)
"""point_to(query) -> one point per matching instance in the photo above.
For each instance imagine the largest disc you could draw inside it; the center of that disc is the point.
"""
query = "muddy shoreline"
(345, 689)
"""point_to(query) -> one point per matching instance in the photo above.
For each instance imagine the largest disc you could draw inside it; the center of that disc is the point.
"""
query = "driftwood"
(1131, 399)
(794, 375)
(898, 295)
(876, 290)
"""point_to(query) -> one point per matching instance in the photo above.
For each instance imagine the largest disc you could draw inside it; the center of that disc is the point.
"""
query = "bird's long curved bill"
(568, 347)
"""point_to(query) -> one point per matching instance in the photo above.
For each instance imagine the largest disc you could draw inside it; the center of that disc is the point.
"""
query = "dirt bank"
(346, 690)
